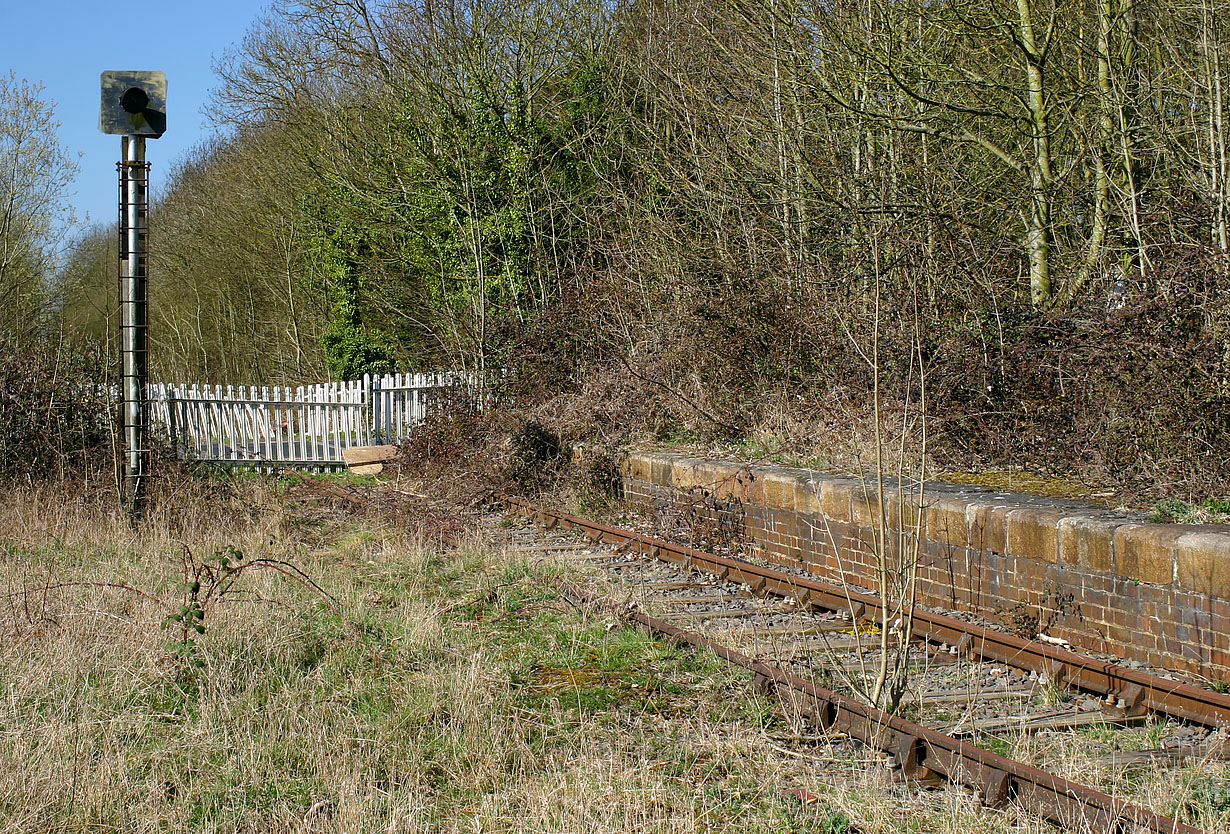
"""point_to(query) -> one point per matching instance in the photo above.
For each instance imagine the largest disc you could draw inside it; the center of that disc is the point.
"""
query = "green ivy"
(351, 349)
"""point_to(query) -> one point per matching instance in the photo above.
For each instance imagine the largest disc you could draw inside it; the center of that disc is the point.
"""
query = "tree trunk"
(1038, 234)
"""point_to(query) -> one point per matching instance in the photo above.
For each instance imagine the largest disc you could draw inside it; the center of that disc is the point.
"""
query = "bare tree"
(35, 174)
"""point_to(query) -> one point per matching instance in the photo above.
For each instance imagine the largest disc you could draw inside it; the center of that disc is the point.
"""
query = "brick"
(682, 475)
(660, 471)
(1146, 552)
(750, 486)
(1093, 600)
(1160, 590)
(807, 496)
(1088, 542)
(812, 529)
(700, 472)
(725, 481)
(724, 484)
(1033, 533)
(865, 505)
(704, 476)
(1191, 652)
(639, 467)
(1204, 562)
(906, 511)
(1188, 612)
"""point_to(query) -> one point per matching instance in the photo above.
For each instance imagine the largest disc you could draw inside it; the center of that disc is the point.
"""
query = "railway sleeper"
(915, 750)
(1171, 698)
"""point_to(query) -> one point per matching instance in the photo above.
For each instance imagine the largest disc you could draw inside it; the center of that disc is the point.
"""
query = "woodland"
(684, 220)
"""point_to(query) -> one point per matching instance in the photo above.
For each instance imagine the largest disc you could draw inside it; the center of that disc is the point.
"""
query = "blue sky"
(66, 45)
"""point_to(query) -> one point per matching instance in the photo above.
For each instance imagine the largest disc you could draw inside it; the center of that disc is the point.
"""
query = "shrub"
(55, 411)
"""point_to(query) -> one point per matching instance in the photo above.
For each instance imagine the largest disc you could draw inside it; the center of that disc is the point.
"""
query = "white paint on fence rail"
(307, 426)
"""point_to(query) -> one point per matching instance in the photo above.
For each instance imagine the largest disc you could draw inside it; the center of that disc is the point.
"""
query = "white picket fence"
(303, 427)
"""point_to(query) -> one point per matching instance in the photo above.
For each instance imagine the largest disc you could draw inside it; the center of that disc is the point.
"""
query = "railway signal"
(134, 106)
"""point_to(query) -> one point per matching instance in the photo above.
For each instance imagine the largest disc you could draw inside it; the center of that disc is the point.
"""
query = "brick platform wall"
(1157, 593)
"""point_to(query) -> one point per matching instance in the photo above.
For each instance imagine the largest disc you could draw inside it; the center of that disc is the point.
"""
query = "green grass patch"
(1208, 511)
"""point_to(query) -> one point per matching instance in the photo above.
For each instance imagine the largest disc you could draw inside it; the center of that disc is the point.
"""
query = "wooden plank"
(955, 696)
(1173, 756)
(549, 548)
(1061, 721)
(667, 585)
(852, 666)
(729, 613)
(583, 556)
(368, 460)
(827, 627)
(695, 599)
(820, 648)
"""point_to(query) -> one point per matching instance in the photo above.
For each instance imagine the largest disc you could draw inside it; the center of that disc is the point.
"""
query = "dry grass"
(474, 699)
(1196, 792)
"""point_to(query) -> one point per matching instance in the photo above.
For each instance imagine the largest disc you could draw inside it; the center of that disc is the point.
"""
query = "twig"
(59, 585)
(687, 400)
(798, 754)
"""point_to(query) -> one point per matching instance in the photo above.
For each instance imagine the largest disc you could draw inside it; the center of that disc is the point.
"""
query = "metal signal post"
(134, 105)
(134, 315)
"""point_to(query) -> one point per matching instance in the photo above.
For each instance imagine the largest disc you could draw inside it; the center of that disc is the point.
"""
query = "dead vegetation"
(423, 680)
(439, 710)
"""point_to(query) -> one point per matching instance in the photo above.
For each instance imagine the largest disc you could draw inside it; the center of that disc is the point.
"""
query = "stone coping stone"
(1194, 557)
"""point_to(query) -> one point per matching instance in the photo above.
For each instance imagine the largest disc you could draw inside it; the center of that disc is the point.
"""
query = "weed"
(674, 434)
(1052, 694)
(835, 822)
(1211, 798)
(553, 718)
(1100, 733)
(345, 478)
(1023, 622)
(1174, 511)
(208, 581)
(535, 457)
(996, 744)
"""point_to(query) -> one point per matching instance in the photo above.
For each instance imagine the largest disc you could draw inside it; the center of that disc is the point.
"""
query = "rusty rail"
(1139, 690)
(918, 751)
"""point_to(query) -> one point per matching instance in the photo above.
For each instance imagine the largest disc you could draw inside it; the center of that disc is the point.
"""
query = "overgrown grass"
(474, 697)
(1196, 792)
(1208, 511)
(458, 691)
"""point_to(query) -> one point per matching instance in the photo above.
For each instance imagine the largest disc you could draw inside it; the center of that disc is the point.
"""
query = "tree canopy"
(706, 199)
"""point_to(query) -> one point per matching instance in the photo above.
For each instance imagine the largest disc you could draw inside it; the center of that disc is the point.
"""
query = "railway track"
(805, 640)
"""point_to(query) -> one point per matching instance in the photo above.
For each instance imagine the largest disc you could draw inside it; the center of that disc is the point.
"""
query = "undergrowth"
(400, 689)
(1208, 511)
